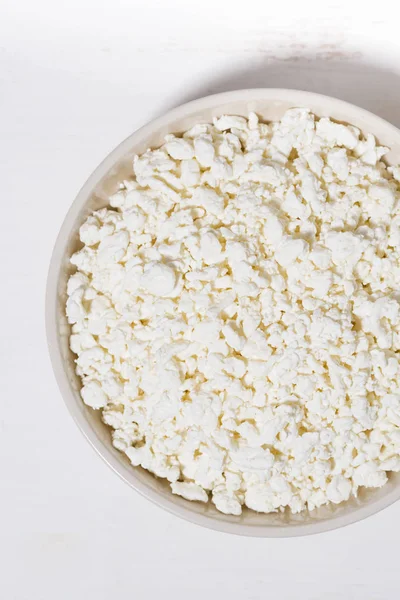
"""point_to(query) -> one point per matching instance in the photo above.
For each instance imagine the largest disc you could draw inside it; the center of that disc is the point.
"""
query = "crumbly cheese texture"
(235, 313)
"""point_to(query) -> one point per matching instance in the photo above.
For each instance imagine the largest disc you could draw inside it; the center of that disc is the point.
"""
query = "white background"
(76, 77)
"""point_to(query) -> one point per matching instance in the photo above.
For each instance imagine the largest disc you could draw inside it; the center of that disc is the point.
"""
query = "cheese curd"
(235, 313)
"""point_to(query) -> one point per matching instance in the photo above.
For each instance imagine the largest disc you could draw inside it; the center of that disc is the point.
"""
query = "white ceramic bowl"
(269, 104)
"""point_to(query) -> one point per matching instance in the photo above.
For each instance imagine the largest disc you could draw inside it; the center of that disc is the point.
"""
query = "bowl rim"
(57, 361)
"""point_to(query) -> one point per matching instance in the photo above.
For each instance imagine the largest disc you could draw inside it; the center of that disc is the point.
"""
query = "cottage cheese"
(235, 313)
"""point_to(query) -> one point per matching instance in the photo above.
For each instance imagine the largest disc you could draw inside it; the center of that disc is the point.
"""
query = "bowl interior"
(270, 105)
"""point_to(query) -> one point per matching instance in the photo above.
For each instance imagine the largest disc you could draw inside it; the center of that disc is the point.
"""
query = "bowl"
(269, 104)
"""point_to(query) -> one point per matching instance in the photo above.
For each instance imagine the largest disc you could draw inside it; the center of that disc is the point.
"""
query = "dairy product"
(235, 313)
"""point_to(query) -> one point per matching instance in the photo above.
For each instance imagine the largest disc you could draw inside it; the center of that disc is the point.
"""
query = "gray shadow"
(369, 86)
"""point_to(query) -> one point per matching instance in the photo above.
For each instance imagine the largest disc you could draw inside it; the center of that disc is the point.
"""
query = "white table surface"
(76, 78)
